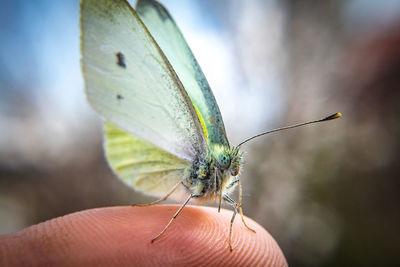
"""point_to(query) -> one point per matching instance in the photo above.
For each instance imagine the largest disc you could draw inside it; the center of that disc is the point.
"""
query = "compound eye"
(224, 160)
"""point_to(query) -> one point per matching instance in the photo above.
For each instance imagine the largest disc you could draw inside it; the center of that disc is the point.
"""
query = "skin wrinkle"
(206, 229)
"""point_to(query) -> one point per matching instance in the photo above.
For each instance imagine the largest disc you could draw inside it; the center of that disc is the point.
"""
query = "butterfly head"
(229, 160)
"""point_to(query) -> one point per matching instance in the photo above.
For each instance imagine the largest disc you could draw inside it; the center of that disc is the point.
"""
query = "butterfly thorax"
(214, 173)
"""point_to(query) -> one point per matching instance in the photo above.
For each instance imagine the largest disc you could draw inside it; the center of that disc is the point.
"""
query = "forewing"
(168, 36)
(141, 164)
(130, 82)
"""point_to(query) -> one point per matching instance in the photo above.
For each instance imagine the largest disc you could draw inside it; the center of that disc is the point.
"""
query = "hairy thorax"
(208, 178)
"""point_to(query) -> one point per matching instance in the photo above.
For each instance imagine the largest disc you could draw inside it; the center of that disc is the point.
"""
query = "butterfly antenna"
(330, 117)
(221, 130)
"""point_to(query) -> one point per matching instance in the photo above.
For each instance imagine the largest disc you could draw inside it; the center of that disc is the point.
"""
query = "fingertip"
(122, 236)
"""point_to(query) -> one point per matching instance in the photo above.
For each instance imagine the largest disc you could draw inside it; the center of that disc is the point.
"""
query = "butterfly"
(164, 133)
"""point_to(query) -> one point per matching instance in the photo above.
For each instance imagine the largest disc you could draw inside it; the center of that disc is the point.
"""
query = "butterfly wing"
(130, 82)
(168, 36)
(141, 164)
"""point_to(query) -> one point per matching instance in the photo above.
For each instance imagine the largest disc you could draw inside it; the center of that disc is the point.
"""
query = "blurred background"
(329, 193)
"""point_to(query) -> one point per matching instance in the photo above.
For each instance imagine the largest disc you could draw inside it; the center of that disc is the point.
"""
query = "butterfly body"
(212, 176)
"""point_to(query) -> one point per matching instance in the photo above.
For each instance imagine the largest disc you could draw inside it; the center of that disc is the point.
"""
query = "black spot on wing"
(121, 60)
(119, 98)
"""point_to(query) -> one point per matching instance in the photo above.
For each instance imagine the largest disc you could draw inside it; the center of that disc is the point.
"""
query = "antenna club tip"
(333, 116)
(336, 115)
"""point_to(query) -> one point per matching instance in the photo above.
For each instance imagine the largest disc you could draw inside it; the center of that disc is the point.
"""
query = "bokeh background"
(328, 193)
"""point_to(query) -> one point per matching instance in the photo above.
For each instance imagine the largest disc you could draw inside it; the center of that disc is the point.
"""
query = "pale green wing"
(141, 164)
(167, 35)
(130, 82)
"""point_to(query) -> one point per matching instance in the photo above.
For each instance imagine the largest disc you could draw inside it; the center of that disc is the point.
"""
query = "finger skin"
(120, 236)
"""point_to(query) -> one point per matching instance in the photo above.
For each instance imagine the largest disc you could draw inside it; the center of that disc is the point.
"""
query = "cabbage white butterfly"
(163, 128)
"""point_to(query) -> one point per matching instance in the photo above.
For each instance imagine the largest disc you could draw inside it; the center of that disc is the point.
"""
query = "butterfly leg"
(232, 183)
(159, 200)
(175, 215)
(239, 205)
(236, 208)
(234, 204)
(240, 208)
(217, 183)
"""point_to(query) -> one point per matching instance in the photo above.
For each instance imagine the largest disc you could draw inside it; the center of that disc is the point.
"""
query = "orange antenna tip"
(332, 117)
